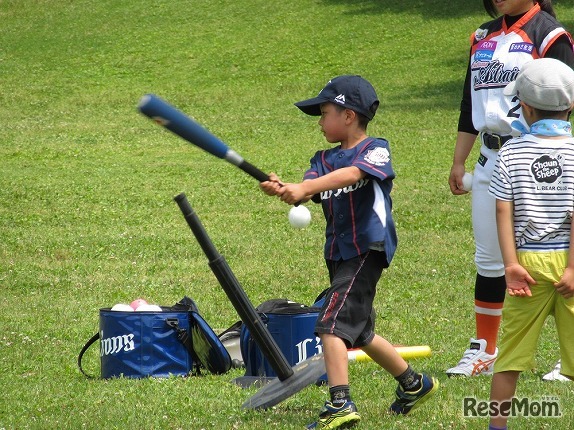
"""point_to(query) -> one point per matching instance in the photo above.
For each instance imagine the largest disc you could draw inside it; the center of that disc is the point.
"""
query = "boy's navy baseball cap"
(350, 91)
(544, 83)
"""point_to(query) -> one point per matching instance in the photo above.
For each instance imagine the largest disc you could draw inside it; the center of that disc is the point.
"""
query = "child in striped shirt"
(533, 184)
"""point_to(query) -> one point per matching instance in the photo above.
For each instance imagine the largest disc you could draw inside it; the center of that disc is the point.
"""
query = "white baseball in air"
(299, 216)
(467, 181)
(122, 307)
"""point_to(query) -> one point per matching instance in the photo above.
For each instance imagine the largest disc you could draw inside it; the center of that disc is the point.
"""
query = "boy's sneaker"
(407, 401)
(555, 374)
(475, 361)
(332, 417)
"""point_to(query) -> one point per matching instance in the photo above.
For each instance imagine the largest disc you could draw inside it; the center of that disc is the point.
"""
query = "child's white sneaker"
(475, 361)
(555, 374)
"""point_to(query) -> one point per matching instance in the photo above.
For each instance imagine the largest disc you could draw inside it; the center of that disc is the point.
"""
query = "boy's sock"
(409, 380)
(488, 301)
(340, 394)
(491, 427)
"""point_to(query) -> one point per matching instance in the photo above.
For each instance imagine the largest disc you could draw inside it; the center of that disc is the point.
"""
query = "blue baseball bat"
(177, 122)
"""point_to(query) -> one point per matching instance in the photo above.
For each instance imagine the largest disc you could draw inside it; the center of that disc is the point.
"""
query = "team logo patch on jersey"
(547, 172)
(480, 33)
(378, 156)
(521, 47)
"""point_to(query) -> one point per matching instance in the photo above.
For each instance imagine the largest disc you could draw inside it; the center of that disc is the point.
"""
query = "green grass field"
(87, 186)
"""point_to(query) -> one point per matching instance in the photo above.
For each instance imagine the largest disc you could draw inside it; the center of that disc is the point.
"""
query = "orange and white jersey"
(497, 55)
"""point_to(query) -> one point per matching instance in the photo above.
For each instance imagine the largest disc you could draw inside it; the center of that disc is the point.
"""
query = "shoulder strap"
(183, 337)
(84, 349)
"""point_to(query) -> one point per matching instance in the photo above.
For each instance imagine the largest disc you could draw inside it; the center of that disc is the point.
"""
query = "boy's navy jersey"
(498, 53)
(358, 216)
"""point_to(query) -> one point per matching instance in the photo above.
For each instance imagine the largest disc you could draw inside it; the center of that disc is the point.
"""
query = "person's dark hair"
(363, 120)
(549, 114)
(545, 5)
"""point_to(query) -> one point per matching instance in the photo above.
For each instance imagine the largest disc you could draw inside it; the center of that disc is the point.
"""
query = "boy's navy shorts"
(347, 311)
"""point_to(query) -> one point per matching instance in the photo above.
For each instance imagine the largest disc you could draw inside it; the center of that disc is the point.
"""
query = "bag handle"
(84, 349)
(184, 338)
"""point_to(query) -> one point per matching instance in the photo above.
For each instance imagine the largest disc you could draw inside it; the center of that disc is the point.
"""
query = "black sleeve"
(465, 117)
(562, 50)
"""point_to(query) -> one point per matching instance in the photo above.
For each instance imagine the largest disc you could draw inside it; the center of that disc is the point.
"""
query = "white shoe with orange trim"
(475, 361)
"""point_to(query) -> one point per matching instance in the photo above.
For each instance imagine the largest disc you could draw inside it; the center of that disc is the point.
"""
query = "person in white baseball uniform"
(533, 184)
(525, 30)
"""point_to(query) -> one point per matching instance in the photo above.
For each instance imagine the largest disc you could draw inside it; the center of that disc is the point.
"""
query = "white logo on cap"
(340, 99)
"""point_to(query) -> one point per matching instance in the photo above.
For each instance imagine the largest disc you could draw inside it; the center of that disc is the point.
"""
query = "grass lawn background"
(86, 189)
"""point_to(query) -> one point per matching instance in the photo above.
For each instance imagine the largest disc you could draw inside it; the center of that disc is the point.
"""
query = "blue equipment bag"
(176, 341)
(292, 326)
(140, 344)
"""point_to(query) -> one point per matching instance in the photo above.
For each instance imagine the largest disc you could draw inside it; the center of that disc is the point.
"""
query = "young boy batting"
(352, 181)
(533, 183)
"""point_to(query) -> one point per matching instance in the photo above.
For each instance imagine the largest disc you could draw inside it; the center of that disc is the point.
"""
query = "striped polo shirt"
(537, 175)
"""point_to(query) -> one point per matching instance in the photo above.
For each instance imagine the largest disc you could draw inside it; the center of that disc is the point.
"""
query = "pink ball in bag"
(137, 303)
